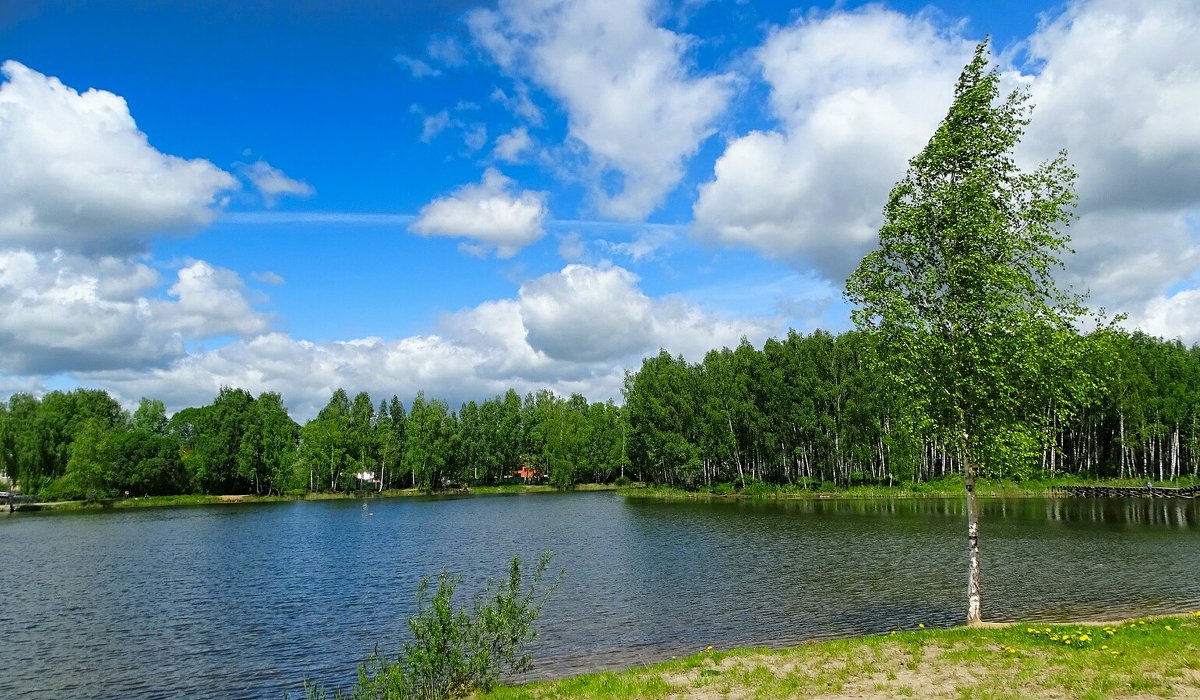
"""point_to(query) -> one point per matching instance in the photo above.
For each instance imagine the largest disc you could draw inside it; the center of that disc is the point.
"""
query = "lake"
(245, 601)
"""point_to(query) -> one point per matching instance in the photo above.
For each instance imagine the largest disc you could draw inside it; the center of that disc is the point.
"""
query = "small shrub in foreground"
(456, 650)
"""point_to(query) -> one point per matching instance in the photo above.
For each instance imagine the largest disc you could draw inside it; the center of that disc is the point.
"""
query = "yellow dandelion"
(1115, 653)
(921, 625)
(1030, 630)
(708, 648)
(1169, 628)
(1103, 647)
(1084, 638)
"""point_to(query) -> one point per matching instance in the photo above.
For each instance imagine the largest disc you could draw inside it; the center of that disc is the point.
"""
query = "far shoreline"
(947, 488)
(131, 502)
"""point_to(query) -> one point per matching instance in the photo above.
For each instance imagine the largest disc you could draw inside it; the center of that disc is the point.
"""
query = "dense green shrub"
(457, 650)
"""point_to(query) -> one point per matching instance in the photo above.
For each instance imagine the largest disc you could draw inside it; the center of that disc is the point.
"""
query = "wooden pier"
(1131, 491)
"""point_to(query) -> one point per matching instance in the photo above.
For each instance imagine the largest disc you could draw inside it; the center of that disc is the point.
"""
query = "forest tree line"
(805, 410)
(81, 444)
(811, 409)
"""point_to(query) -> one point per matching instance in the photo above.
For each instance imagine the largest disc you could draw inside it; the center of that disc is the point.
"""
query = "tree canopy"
(960, 297)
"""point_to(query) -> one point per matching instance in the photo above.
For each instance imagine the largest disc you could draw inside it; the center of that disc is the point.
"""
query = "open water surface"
(245, 601)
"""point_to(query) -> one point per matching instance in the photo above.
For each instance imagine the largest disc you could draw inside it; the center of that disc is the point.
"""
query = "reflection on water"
(244, 602)
(1174, 512)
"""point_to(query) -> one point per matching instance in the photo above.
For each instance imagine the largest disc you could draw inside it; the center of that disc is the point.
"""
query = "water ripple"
(247, 601)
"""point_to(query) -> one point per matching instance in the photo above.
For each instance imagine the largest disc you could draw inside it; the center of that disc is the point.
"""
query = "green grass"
(943, 488)
(195, 500)
(951, 486)
(152, 502)
(1153, 657)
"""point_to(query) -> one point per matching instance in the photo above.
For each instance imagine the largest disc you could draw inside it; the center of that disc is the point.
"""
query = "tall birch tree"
(960, 296)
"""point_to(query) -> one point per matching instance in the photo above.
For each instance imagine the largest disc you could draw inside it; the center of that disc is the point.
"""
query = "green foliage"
(457, 650)
(960, 296)
(150, 417)
(89, 476)
(799, 411)
(432, 439)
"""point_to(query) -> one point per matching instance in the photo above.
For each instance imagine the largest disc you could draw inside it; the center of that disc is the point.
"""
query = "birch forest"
(805, 410)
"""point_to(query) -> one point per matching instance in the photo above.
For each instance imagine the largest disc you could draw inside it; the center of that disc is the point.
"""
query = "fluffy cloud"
(1119, 88)
(510, 147)
(77, 174)
(1171, 316)
(587, 313)
(209, 301)
(272, 183)
(65, 313)
(540, 339)
(80, 191)
(629, 97)
(856, 95)
(488, 214)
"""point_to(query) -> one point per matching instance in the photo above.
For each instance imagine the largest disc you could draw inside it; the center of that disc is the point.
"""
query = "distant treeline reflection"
(1169, 512)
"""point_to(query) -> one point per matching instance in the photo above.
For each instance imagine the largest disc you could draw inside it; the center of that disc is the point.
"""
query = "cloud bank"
(631, 98)
(78, 174)
(565, 331)
(856, 95)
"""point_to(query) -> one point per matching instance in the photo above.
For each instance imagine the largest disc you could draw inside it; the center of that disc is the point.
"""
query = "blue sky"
(465, 197)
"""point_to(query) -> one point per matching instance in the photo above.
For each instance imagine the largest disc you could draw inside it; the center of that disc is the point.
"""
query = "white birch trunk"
(974, 614)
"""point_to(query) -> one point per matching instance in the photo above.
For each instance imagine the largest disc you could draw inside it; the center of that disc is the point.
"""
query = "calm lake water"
(246, 601)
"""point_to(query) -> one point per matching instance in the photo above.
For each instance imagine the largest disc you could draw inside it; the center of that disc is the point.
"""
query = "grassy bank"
(1152, 657)
(198, 500)
(148, 502)
(943, 488)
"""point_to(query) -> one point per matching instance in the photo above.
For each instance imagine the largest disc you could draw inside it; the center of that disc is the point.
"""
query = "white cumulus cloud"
(1119, 88)
(489, 214)
(587, 313)
(62, 312)
(77, 174)
(540, 339)
(208, 301)
(630, 97)
(856, 94)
